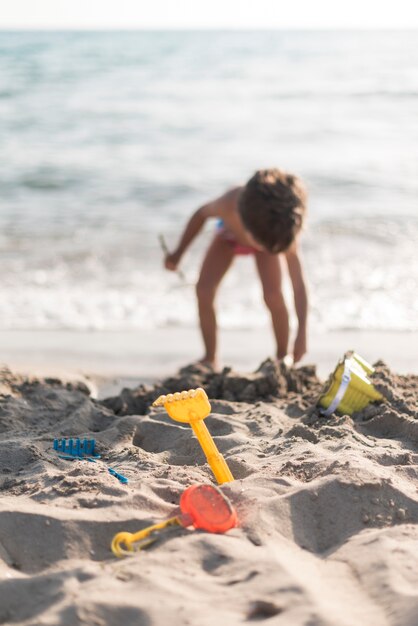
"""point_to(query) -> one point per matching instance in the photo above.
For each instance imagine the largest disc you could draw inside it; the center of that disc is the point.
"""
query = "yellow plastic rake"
(192, 407)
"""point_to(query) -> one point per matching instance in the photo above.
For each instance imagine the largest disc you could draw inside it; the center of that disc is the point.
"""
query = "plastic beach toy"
(76, 448)
(349, 389)
(202, 506)
(83, 450)
(192, 407)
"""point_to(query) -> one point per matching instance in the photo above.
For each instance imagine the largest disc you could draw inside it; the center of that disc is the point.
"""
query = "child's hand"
(299, 349)
(171, 261)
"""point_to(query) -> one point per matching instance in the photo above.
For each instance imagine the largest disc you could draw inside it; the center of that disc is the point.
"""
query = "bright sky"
(208, 14)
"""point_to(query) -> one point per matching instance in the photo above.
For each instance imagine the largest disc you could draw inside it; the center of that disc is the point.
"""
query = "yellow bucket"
(349, 389)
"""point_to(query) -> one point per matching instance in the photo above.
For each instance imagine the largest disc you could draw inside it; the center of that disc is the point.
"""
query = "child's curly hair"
(272, 207)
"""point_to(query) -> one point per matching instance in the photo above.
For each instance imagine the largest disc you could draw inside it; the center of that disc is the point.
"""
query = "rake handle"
(213, 456)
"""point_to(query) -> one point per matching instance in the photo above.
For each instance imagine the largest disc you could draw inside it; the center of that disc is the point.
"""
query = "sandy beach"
(327, 507)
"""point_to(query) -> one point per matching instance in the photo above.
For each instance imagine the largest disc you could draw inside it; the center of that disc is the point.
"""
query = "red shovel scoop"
(202, 506)
(206, 507)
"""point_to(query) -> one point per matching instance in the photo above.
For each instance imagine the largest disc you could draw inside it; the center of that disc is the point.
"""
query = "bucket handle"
(345, 381)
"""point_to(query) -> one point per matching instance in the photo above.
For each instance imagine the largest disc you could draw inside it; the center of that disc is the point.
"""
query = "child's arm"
(301, 300)
(215, 208)
(193, 227)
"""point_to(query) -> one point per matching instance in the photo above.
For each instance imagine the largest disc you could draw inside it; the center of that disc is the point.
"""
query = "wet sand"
(112, 360)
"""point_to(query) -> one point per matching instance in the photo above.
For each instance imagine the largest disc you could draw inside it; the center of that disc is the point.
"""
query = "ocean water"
(109, 139)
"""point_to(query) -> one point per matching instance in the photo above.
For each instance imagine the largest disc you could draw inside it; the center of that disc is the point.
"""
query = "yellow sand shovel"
(192, 407)
(202, 506)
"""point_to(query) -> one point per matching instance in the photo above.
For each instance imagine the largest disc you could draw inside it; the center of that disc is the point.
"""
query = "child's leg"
(217, 261)
(269, 271)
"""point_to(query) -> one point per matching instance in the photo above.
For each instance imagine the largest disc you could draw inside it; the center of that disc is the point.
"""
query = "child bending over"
(263, 218)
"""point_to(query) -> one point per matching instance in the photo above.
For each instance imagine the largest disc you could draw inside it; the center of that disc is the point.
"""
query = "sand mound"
(328, 506)
(271, 381)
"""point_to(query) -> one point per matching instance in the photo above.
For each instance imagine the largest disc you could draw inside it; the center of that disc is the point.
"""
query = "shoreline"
(109, 361)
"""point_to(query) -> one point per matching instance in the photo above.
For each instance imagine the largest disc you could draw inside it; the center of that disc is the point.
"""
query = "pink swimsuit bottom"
(238, 248)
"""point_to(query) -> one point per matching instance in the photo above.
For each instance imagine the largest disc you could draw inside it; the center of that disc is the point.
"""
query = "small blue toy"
(84, 450)
(120, 477)
(76, 449)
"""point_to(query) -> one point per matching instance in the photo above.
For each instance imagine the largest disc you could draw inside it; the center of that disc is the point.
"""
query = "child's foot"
(200, 367)
(286, 360)
(209, 364)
